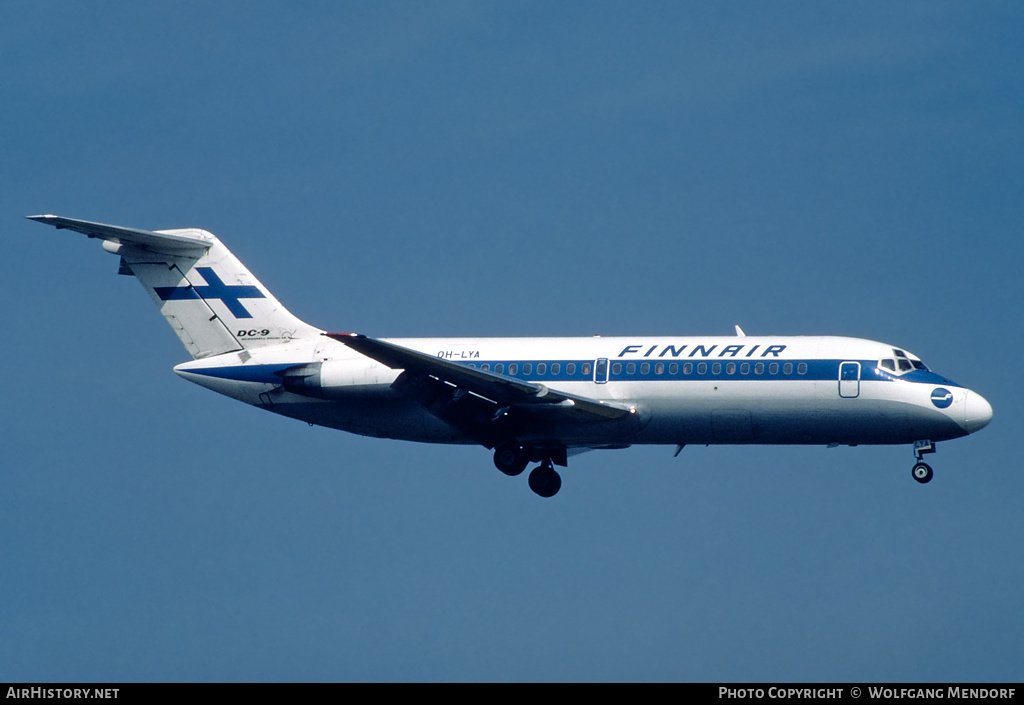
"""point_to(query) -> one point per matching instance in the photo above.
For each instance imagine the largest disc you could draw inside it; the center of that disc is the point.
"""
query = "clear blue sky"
(519, 168)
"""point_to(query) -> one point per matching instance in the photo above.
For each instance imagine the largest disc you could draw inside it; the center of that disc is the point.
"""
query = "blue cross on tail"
(215, 289)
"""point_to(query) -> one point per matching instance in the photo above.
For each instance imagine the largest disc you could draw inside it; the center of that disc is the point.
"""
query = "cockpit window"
(901, 363)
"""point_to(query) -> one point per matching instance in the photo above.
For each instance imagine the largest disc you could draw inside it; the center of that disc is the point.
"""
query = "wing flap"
(499, 388)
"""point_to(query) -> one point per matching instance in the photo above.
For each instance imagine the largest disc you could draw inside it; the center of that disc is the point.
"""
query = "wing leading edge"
(490, 385)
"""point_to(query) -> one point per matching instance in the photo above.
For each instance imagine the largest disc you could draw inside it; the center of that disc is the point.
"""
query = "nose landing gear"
(922, 472)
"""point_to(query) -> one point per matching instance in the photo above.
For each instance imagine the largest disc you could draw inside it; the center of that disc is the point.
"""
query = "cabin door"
(849, 379)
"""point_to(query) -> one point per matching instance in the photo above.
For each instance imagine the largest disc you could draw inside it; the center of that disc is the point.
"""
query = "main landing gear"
(922, 472)
(544, 480)
(512, 459)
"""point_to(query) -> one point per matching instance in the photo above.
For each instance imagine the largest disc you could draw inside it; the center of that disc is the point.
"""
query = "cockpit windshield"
(901, 363)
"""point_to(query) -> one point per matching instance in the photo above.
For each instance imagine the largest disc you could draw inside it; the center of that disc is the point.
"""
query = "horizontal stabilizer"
(170, 242)
(209, 298)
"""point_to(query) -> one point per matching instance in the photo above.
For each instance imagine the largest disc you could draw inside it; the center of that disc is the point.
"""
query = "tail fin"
(209, 298)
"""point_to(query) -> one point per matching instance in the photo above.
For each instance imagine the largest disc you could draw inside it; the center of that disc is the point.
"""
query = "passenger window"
(486, 366)
(773, 368)
(513, 368)
(673, 368)
(630, 368)
(688, 368)
(499, 368)
(702, 368)
(645, 368)
(617, 368)
(716, 369)
(555, 368)
(730, 368)
(585, 368)
(745, 368)
(759, 368)
(541, 368)
(570, 368)
(801, 368)
(659, 369)
(527, 368)
(787, 368)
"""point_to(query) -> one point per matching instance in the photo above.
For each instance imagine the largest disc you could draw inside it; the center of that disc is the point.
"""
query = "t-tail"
(213, 303)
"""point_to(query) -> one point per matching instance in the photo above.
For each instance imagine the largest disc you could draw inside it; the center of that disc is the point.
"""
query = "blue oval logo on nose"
(942, 398)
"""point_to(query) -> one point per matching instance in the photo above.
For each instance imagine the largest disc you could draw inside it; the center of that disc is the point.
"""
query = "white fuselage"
(531, 399)
(707, 390)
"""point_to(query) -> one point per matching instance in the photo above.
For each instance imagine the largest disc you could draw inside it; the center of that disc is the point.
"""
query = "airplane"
(533, 400)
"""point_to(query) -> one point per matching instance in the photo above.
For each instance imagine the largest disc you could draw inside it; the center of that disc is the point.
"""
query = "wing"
(170, 242)
(443, 386)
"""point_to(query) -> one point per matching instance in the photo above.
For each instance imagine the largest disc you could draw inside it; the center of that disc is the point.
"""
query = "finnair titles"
(533, 400)
(702, 350)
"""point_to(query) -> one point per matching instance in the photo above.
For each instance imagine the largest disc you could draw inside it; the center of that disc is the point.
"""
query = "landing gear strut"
(922, 472)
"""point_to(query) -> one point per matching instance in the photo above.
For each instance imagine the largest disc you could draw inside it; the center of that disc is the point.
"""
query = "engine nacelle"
(339, 379)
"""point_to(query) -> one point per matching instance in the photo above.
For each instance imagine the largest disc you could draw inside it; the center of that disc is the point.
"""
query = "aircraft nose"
(977, 414)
